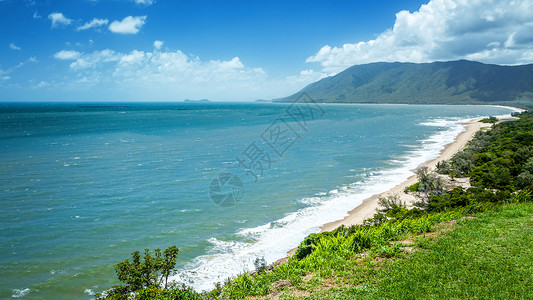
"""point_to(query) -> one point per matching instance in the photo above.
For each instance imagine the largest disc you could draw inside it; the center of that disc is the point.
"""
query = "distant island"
(263, 101)
(452, 82)
(197, 101)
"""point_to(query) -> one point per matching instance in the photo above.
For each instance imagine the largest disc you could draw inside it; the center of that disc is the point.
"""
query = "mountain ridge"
(449, 82)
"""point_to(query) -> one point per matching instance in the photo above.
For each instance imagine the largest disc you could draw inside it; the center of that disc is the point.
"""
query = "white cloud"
(67, 55)
(14, 47)
(143, 2)
(41, 84)
(3, 74)
(36, 15)
(307, 76)
(95, 59)
(94, 23)
(128, 25)
(58, 18)
(491, 31)
(174, 75)
(158, 45)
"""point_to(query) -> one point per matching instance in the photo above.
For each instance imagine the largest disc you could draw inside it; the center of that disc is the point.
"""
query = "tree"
(149, 272)
(390, 202)
(430, 184)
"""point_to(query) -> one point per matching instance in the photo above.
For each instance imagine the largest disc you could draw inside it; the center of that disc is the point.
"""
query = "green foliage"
(306, 246)
(412, 188)
(390, 202)
(490, 119)
(260, 264)
(175, 293)
(147, 277)
(522, 196)
(429, 184)
(389, 251)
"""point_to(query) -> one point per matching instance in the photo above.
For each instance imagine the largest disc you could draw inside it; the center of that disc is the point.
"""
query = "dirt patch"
(409, 242)
(278, 287)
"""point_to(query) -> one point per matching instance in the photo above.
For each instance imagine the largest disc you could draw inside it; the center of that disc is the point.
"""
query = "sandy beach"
(367, 209)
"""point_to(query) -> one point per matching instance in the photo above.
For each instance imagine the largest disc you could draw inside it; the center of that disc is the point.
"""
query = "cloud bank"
(174, 75)
(491, 31)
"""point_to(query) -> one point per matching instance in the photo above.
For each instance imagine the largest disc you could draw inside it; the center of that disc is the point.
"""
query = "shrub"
(390, 202)
(307, 246)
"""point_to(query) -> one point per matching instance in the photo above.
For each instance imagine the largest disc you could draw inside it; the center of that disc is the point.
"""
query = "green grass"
(335, 259)
(487, 257)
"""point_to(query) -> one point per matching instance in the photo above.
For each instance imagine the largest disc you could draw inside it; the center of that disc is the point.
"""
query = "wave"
(272, 241)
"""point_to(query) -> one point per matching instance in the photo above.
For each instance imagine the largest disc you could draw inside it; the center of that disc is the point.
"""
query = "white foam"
(273, 240)
(20, 293)
(89, 292)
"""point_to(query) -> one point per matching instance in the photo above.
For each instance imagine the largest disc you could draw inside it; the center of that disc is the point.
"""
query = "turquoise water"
(82, 186)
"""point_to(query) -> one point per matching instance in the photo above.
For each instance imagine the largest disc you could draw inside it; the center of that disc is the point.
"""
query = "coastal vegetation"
(455, 242)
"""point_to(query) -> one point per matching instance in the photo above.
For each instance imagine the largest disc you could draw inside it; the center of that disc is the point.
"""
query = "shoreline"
(368, 207)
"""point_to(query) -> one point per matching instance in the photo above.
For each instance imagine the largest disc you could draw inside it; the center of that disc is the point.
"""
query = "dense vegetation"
(453, 82)
(394, 255)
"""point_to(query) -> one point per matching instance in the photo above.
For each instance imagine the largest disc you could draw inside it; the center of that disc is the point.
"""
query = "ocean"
(82, 186)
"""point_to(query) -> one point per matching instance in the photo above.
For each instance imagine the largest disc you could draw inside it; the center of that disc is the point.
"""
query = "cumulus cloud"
(14, 47)
(491, 31)
(173, 75)
(93, 24)
(58, 18)
(143, 2)
(158, 45)
(67, 55)
(307, 76)
(128, 25)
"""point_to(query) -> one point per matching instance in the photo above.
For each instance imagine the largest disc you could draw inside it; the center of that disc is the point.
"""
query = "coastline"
(368, 207)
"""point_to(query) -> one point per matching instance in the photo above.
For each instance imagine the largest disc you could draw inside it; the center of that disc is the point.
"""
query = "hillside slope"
(453, 82)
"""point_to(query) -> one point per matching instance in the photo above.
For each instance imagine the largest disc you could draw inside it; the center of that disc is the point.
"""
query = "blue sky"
(162, 50)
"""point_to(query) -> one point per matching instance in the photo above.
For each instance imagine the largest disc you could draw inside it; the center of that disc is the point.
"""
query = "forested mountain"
(453, 82)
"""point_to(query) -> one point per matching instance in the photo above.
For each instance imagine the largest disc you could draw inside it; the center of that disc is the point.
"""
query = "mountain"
(453, 82)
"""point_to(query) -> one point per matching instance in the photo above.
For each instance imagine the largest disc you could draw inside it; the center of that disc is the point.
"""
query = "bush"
(490, 119)
(390, 202)
(307, 246)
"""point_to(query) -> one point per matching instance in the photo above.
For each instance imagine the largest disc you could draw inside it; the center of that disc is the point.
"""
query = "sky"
(171, 50)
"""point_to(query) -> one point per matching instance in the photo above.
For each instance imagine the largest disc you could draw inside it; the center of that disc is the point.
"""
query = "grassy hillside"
(487, 256)
(454, 82)
(455, 244)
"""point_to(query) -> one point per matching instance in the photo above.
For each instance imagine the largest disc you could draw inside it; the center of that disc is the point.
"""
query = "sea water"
(82, 186)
